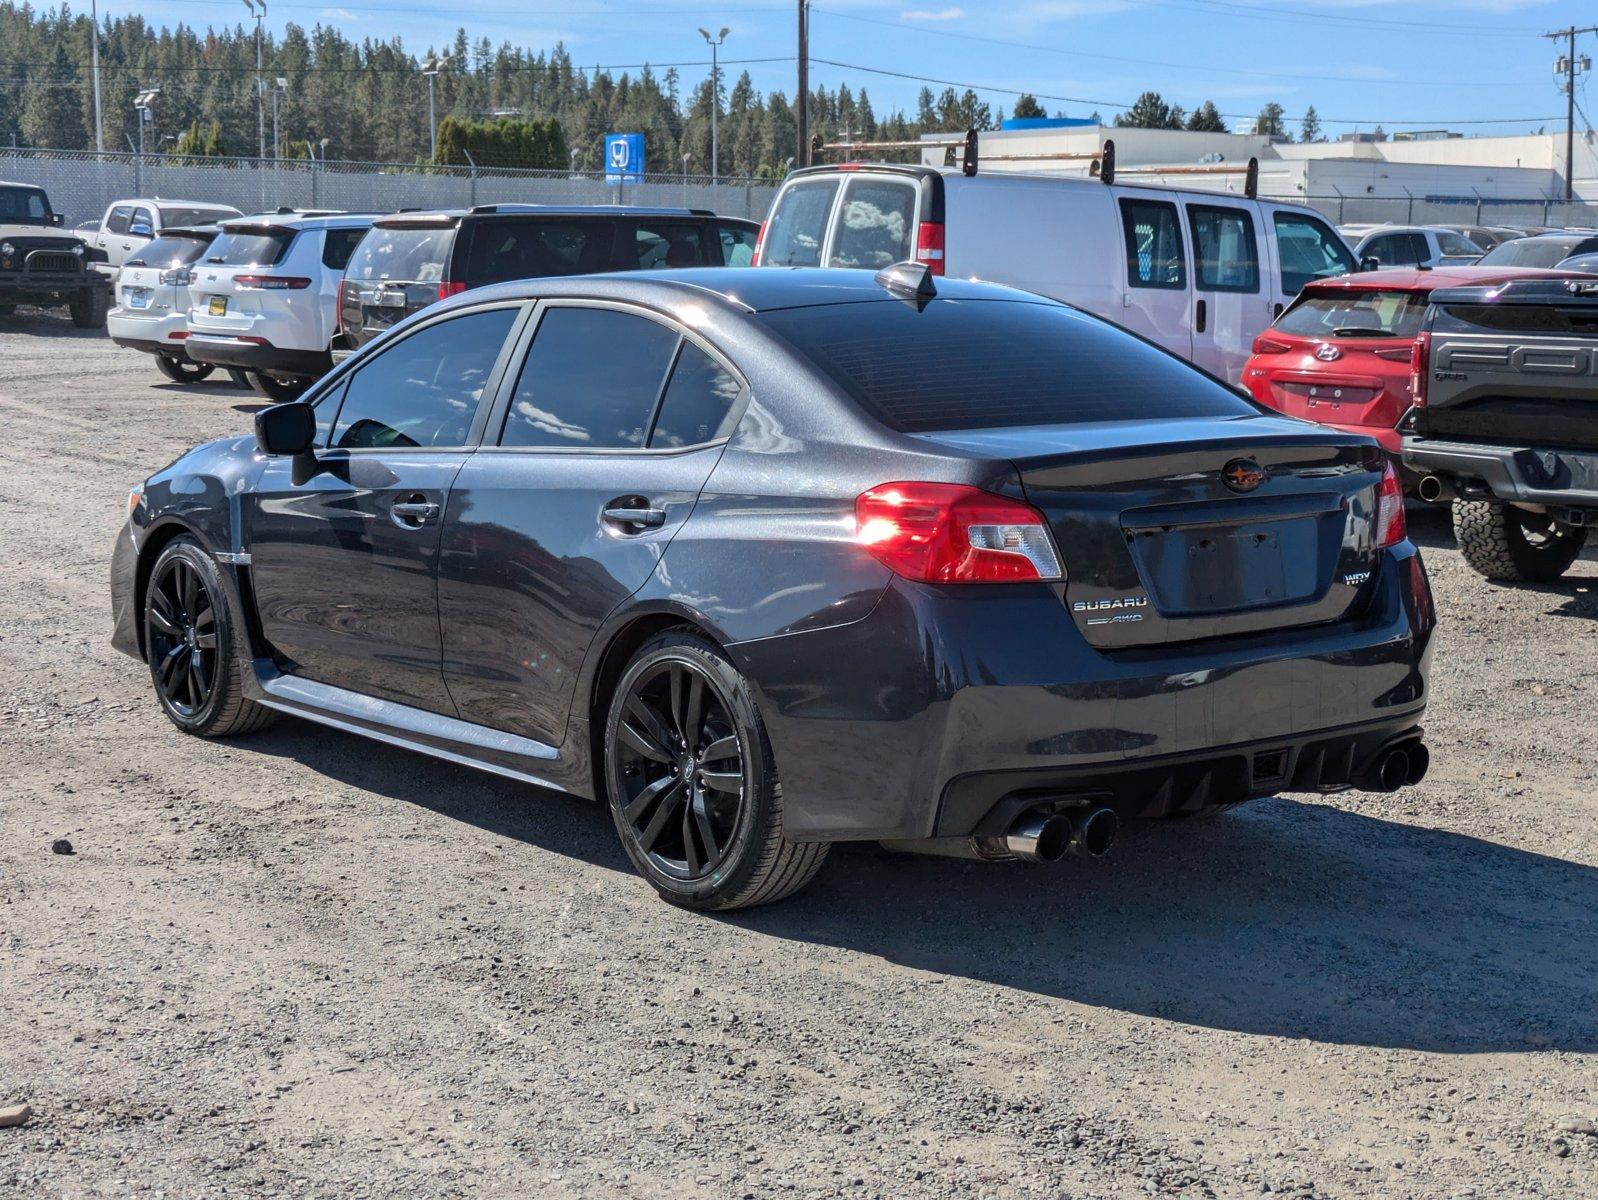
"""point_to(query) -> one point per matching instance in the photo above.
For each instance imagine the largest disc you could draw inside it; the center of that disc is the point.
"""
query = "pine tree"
(1269, 122)
(1206, 118)
(52, 114)
(1149, 111)
(1311, 131)
(1027, 106)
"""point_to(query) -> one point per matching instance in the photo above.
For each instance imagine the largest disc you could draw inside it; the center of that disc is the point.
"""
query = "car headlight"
(135, 498)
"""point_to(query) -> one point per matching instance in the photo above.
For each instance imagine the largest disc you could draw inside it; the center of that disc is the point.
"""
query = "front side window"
(1153, 244)
(1340, 314)
(590, 381)
(1308, 250)
(142, 224)
(798, 224)
(538, 247)
(658, 246)
(423, 391)
(338, 245)
(875, 224)
(24, 205)
(1228, 257)
(737, 245)
(699, 402)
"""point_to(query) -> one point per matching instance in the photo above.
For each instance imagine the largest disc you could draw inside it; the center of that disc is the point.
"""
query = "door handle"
(413, 512)
(634, 513)
(1199, 315)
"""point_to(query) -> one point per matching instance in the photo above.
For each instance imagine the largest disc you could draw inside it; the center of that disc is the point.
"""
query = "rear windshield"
(798, 224)
(988, 364)
(1373, 314)
(246, 249)
(403, 255)
(170, 252)
(1533, 252)
(195, 216)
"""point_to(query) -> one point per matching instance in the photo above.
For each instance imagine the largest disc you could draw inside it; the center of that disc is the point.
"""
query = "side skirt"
(447, 738)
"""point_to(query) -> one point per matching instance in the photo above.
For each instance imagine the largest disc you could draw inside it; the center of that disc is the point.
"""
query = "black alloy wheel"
(181, 634)
(682, 769)
(181, 371)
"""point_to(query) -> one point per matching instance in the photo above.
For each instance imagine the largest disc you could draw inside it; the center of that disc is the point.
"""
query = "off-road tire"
(1494, 539)
(226, 711)
(182, 371)
(760, 865)
(278, 390)
(88, 307)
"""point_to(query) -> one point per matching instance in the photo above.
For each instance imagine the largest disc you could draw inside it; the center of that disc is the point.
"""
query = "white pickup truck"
(129, 225)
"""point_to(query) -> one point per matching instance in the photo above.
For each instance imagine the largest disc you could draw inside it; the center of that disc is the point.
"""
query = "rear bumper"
(222, 351)
(1551, 477)
(946, 705)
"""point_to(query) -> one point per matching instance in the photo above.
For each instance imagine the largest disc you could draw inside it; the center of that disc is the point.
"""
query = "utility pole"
(430, 69)
(715, 95)
(803, 111)
(258, 11)
(94, 68)
(1570, 67)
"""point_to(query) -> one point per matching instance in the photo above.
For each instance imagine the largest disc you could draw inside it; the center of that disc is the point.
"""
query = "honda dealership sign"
(624, 158)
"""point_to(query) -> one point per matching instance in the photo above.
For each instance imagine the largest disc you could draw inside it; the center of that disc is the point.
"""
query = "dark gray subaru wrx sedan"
(772, 559)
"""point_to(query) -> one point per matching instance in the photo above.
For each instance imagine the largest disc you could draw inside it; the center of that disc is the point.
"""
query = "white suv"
(264, 298)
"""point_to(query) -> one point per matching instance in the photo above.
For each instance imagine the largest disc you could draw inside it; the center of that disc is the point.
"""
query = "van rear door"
(849, 217)
(1158, 300)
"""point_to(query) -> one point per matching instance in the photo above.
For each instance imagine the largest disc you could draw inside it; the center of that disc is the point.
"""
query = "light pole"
(94, 60)
(258, 10)
(279, 91)
(141, 104)
(715, 94)
(431, 68)
(685, 159)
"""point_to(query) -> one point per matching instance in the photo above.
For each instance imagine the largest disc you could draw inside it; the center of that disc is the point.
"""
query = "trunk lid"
(1212, 528)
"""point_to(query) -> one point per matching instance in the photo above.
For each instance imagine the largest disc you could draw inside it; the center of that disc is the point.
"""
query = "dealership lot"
(305, 963)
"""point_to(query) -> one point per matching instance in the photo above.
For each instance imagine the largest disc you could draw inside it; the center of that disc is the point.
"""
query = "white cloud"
(928, 14)
(338, 14)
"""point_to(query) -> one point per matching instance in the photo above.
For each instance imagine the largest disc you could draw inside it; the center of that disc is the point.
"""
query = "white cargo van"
(1199, 272)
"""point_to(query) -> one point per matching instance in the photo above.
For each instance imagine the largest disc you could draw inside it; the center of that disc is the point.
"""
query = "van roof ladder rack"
(1250, 172)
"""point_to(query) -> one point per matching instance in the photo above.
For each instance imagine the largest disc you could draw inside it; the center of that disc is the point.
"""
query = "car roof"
(18, 183)
(544, 210)
(750, 289)
(1410, 279)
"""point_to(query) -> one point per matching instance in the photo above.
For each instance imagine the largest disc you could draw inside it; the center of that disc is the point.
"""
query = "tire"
(278, 390)
(1513, 545)
(200, 686)
(89, 306)
(727, 848)
(180, 371)
(7, 309)
(241, 378)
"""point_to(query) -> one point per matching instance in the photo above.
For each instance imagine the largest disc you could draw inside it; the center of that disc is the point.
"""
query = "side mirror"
(286, 429)
(140, 229)
(1370, 263)
(58, 219)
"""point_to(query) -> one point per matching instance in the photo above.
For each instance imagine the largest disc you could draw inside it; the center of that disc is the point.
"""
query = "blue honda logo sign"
(624, 158)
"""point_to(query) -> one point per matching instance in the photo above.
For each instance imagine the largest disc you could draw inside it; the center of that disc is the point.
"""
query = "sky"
(1475, 66)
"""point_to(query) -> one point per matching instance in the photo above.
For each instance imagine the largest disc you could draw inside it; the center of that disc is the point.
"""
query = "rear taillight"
(760, 242)
(1391, 525)
(338, 309)
(929, 246)
(450, 288)
(952, 533)
(1420, 358)
(273, 283)
(1266, 344)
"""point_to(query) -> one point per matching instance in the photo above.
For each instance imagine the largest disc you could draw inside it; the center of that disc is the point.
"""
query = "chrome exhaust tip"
(1435, 489)
(1094, 832)
(1040, 837)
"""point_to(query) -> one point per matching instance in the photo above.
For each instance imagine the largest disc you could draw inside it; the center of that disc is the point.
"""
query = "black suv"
(410, 259)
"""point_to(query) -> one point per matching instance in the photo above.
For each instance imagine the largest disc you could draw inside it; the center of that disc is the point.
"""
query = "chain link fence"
(1549, 211)
(82, 184)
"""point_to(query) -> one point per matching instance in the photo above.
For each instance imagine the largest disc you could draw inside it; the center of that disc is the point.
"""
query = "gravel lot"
(306, 964)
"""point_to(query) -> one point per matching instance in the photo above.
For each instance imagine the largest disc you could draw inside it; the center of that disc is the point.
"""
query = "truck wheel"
(240, 378)
(278, 390)
(1511, 544)
(179, 371)
(89, 306)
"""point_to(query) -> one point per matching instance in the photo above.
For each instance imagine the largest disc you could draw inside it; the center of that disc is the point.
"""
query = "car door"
(344, 542)
(1229, 306)
(1158, 300)
(591, 463)
(141, 230)
(113, 232)
(1303, 248)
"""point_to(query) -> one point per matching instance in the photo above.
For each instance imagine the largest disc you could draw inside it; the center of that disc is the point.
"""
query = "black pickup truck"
(1505, 421)
(42, 264)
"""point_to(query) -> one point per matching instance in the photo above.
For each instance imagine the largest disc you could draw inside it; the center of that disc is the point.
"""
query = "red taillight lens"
(1392, 526)
(273, 283)
(952, 533)
(448, 289)
(1420, 357)
(760, 242)
(1265, 344)
(929, 246)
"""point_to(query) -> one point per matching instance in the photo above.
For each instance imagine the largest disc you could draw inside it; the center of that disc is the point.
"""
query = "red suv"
(1340, 355)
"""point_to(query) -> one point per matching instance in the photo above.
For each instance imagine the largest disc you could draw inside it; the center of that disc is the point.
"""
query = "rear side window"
(530, 249)
(699, 401)
(401, 255)
(1341, 314)
(1308, 251)
(590, 381)
(338, 245)
(1456, 245)
(665, 245)
(424, 391)
(988, 364)
(1153, 244)
(875, 224)
(737, 245)
(169, 252)
(246, 249)
(798, 224)
(1224, 248)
